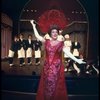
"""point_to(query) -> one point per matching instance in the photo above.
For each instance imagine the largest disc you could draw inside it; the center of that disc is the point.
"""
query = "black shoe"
(21, 65)
(29, 64)
(38, 63)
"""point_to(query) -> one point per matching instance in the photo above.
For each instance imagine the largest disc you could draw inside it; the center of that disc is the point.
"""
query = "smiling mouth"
(55, 36)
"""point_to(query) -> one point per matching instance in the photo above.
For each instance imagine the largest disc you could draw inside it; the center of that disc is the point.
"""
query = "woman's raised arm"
(36, 32)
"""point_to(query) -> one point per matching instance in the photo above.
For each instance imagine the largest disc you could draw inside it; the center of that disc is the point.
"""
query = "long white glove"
(69, 54)
(36, 32)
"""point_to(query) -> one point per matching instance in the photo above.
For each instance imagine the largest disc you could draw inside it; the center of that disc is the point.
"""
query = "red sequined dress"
(52, 83)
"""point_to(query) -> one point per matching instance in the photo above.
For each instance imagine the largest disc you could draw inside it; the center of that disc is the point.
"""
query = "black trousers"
(37, 60)
(29, 60)
(10, 60)
(21, 60)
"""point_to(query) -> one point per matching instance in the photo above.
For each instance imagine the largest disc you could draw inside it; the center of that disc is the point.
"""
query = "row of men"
(20, 45)
(24, 48)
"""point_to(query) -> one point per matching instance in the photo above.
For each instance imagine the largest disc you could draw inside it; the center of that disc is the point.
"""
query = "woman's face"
(54, 34)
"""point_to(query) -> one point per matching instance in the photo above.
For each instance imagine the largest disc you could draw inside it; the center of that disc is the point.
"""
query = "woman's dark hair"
(53, 27)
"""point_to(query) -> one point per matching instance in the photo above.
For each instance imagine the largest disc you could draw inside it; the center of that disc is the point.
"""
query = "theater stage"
(22, 83)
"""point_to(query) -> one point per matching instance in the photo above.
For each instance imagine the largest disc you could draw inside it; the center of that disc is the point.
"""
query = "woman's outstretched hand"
(80, 61)
(32, 22)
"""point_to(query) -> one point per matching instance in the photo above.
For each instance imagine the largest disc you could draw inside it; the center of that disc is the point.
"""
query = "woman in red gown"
(52, 83)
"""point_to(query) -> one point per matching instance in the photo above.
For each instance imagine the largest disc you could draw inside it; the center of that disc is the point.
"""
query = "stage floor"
(21, 87)
(24, 70)
(32, 69)
(80, 87)
(32, 96)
